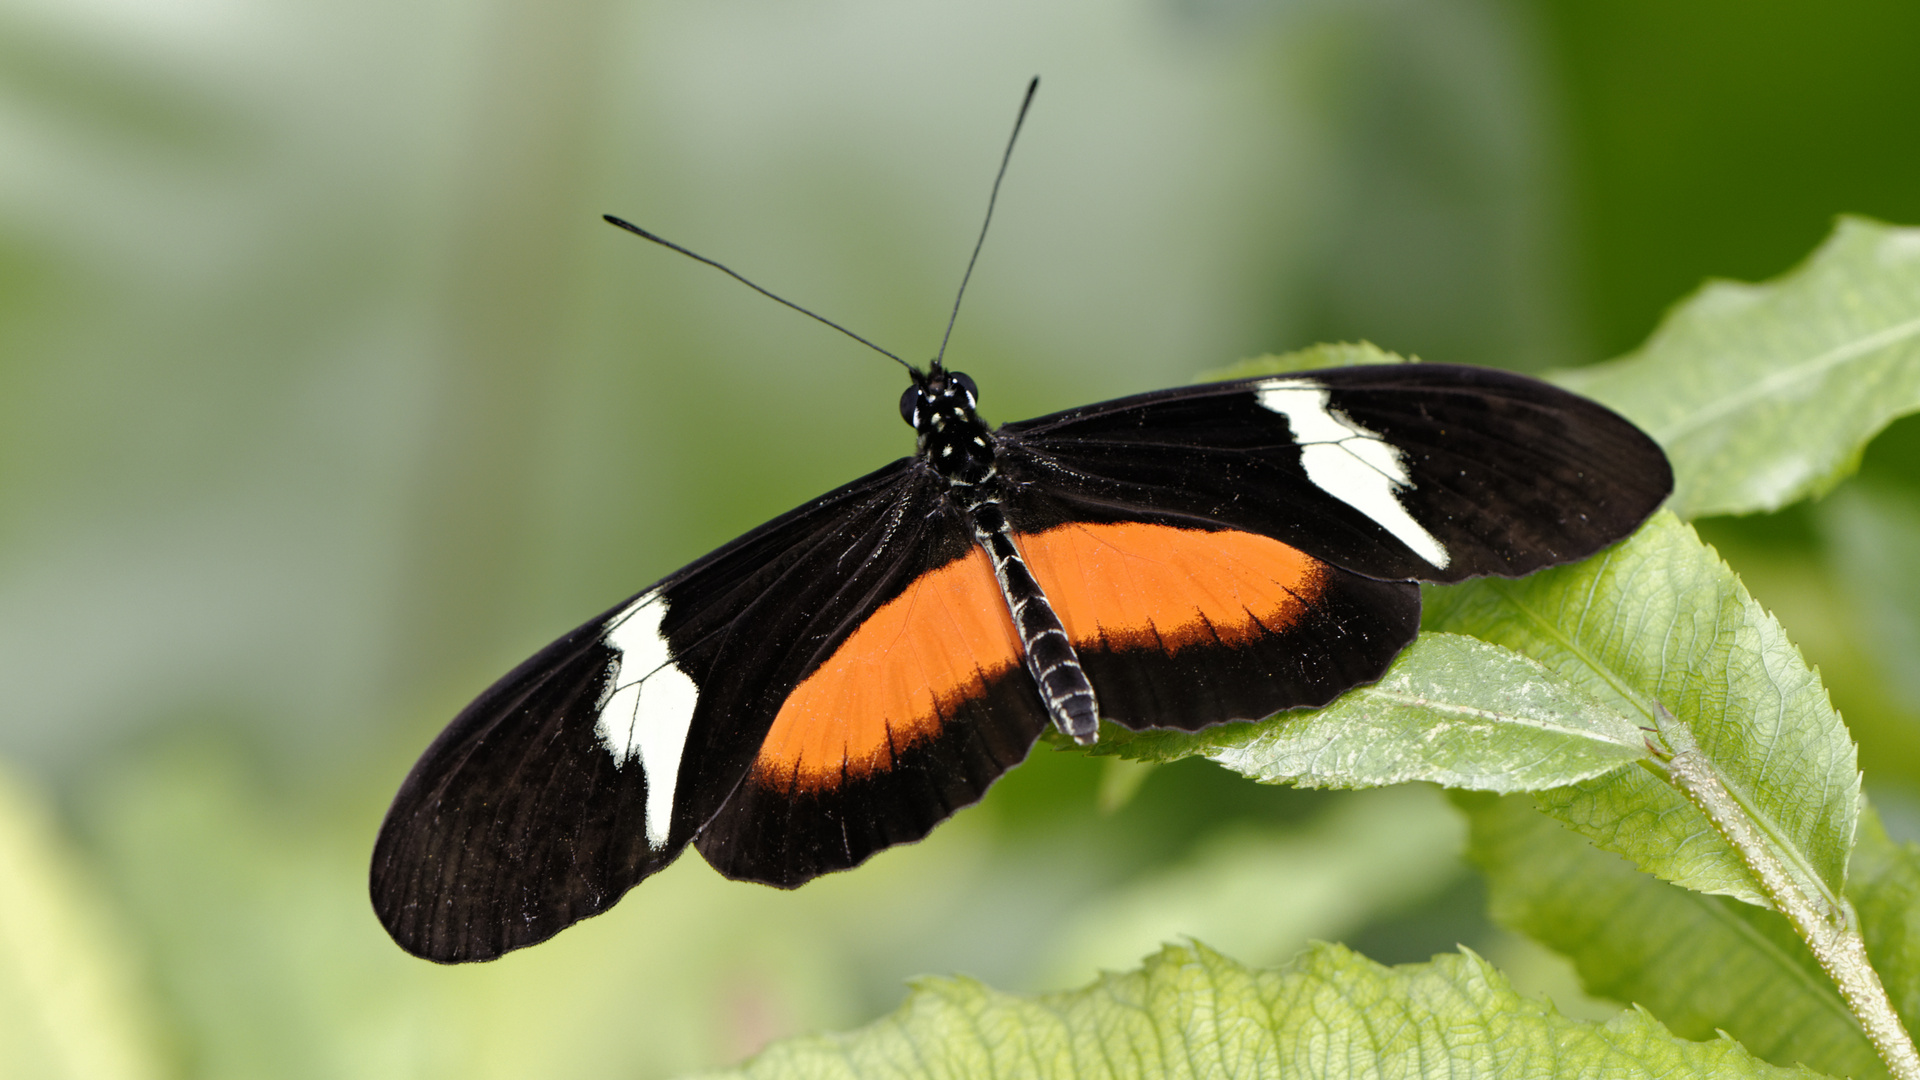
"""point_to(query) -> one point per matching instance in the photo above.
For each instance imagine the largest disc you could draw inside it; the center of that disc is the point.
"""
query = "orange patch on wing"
(1130, 585)
(889, 683)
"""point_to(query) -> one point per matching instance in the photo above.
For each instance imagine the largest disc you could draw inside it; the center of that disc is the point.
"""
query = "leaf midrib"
(1780, 380)
(1511, 719)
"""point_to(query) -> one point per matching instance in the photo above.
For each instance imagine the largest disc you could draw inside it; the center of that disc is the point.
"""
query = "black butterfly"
(847, 676)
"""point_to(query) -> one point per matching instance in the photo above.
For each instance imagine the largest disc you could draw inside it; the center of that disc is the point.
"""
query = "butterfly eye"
(908, 404)
(965, 382)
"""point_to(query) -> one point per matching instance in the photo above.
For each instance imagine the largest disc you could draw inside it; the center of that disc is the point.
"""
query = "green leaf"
(1700, 963)
(1451, 710)
(1766, 394)
(1659, 620)
(70, 1003)
(1336, 354)
(1191, 1012)
(1884, 885)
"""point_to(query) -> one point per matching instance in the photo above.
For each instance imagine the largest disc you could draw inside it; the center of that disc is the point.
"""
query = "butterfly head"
(940, 408)
(938, 399)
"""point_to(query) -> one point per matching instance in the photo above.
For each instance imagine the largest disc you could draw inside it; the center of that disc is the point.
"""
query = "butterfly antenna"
(697, 257)
(991, 199)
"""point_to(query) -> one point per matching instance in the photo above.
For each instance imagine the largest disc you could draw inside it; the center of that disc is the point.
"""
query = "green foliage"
(1591, 652)
(1885, 888)
(1766, 394)
(1659, 620)
(1190, 1012)
(1452, 710)
(1700, 963)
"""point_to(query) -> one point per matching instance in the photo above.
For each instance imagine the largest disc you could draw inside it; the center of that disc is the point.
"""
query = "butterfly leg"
(1051, 661)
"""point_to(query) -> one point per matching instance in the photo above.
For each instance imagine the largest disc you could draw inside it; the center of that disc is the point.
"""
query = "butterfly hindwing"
(1185, 627)
(906, 719)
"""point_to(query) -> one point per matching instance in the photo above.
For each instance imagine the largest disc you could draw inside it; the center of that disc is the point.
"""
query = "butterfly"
(850, 674)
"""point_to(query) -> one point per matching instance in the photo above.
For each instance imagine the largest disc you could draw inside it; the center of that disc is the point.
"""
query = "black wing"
(1420, 472)
(531, 810)
(1269, 529)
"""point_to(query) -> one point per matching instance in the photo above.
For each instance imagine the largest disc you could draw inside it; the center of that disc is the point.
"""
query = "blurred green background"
(325, 398)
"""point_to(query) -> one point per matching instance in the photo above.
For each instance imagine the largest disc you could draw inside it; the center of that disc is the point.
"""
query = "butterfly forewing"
(515, 823)
(1424, 472)
(593, 764)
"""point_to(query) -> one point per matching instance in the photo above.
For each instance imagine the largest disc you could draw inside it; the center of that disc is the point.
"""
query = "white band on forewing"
(1349, 462)
(651, 726)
